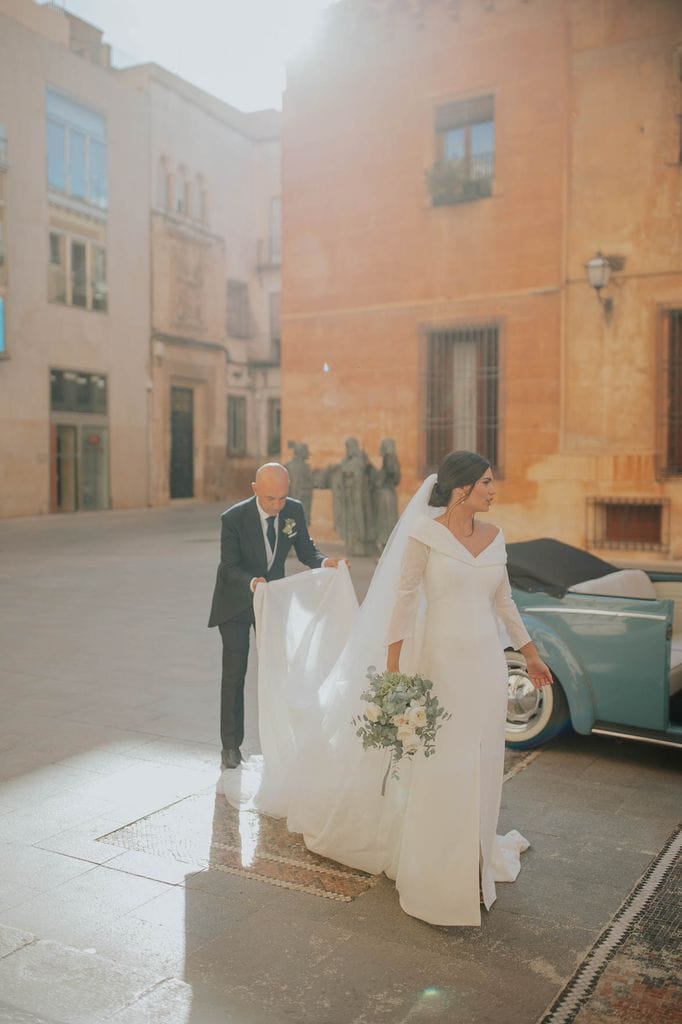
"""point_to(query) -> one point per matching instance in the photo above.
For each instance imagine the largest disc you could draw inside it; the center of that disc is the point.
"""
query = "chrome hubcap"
(525, 703)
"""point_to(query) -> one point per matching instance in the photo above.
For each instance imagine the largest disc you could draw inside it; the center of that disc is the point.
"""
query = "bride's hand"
(538, 672)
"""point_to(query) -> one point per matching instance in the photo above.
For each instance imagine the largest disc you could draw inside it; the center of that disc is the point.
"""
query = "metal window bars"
(462, 392)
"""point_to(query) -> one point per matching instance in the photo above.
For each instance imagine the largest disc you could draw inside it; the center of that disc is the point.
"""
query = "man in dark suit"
(255, 539)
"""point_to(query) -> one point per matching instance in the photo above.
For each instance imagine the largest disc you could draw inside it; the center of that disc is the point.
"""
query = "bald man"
(255, 539)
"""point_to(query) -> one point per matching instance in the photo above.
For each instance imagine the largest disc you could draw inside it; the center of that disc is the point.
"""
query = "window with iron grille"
(462, 392)
(465, 150)
(672, 393)
(236, 425)
(628, 523)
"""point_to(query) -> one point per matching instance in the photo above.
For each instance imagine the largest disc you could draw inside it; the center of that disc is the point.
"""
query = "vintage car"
(612, 638)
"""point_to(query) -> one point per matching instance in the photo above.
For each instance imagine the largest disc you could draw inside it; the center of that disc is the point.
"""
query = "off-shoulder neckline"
(456, 546)
(457, 541)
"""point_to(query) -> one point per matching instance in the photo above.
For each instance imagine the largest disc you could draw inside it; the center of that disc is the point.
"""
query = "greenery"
(401, 715)
(450, 181)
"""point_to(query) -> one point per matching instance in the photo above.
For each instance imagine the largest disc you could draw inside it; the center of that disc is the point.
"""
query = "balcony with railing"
(461, 181)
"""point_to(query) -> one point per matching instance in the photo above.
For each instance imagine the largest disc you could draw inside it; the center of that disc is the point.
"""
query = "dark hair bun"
(458, 469)
(439, 498)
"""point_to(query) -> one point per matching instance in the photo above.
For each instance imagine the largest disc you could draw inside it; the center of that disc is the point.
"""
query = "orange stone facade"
(586, 99)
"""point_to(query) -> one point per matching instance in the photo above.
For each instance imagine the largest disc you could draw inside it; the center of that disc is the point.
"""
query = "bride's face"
(481, 495)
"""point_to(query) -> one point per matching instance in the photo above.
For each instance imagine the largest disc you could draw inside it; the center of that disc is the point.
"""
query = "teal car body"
(616, 659)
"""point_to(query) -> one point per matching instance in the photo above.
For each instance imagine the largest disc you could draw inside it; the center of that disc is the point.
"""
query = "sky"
(234, 49)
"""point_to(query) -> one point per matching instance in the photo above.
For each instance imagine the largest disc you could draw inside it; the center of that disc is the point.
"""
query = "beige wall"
(41, 335)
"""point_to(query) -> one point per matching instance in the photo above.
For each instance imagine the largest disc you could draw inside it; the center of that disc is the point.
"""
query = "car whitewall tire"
(533, 716)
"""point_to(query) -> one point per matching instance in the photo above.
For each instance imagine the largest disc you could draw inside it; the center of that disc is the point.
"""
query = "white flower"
(417, 717)
(289, 527)
(372, 712)
(401, 721)
(409, 740)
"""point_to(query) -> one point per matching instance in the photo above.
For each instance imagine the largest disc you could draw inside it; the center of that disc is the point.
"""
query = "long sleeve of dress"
(509, 615)
(401, 625)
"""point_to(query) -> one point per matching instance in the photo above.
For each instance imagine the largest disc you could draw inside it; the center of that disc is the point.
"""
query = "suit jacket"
(243, 555)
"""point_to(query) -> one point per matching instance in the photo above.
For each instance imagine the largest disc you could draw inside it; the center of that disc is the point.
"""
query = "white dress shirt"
(264, 526)
(270, 552)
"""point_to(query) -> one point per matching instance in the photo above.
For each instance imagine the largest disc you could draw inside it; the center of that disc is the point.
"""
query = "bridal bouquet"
(400, 715)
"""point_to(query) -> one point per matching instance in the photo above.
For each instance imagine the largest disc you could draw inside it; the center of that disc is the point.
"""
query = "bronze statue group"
(365, 504)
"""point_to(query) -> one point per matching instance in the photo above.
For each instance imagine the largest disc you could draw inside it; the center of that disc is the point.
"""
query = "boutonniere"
(289, 528)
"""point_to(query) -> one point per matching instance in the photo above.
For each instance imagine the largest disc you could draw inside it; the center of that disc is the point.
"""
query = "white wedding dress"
(434, 831)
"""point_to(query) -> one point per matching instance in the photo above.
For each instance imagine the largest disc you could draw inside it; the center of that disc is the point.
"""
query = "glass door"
(66, 499)
(94, 468)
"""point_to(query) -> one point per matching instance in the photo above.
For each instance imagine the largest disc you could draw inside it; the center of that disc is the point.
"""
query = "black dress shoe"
(231, 758)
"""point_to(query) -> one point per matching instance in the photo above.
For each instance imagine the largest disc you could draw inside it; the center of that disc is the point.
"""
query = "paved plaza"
(131, 894)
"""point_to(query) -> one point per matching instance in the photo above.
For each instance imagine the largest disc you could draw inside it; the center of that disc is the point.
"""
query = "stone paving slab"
(11, 939)
(12, 1015)
(68, 986)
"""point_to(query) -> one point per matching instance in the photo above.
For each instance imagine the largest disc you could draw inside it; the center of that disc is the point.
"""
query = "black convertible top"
(551, 565)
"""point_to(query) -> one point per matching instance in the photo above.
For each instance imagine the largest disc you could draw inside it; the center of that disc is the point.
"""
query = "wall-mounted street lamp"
(598, 274)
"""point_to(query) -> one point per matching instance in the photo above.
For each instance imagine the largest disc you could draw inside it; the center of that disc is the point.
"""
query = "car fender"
(570, 672)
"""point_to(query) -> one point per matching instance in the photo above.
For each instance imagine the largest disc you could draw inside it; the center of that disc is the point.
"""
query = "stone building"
(450, 167)
(215, 288)
(140, 251)
(75, 270)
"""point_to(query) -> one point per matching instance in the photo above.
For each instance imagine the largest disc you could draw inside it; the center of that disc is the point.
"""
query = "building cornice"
(181, 341)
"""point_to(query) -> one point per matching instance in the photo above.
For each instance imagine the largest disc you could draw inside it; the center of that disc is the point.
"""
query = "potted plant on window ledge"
(450, 181)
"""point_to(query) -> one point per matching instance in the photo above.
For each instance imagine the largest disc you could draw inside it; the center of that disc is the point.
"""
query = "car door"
(623, 645)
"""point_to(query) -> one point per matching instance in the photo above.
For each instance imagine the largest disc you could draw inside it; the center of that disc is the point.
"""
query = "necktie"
(271, 532)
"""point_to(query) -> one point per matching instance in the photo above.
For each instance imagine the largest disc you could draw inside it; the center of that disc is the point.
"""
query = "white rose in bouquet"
(417, 717)
(409, 740)
(372, 712)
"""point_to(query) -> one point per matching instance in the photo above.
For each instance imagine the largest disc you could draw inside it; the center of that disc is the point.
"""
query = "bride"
(435, 604)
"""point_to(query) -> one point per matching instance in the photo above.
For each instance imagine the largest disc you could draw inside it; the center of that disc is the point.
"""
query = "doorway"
(182, 443)
(80, 467)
